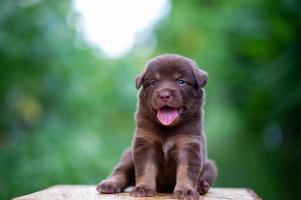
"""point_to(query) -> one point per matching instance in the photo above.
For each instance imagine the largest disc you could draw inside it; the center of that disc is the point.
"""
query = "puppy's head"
(171, 89)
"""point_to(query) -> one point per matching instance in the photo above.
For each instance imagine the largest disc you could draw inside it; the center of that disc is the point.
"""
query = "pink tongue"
(167, 115)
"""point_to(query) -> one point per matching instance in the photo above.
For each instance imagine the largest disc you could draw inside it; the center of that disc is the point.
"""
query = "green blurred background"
(67, 113)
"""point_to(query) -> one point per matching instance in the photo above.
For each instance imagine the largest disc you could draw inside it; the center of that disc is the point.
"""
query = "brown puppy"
(169, 149)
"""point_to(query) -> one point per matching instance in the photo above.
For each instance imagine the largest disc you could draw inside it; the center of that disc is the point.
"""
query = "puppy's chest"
(175, 146)
(167, 148)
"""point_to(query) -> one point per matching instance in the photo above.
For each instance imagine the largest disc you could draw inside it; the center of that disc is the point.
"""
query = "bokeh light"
(113, 25)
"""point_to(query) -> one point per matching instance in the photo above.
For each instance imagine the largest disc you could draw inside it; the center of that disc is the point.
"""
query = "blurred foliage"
(67, 113)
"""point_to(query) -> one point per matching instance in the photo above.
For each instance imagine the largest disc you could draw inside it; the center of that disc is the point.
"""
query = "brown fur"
(167, 158)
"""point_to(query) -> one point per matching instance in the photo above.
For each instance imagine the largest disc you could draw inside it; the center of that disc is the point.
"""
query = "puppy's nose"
(165, 96)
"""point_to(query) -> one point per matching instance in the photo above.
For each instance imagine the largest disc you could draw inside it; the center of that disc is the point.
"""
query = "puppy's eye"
(181, 82)
(153, 83)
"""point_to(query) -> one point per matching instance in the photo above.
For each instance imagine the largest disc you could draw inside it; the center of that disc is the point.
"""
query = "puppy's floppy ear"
(201, 77)
(139, 80)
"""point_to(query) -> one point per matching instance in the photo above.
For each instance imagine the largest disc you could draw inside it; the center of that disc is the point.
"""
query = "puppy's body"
(168, 152)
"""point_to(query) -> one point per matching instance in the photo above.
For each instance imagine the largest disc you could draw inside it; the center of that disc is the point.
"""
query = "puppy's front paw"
(203, 187)
(108, 187)
(187, 194)
(142, 191)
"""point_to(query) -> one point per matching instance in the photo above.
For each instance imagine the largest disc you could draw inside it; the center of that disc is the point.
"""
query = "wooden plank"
(84, 192)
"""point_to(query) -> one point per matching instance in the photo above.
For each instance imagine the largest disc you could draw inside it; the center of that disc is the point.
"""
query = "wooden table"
(85, 192)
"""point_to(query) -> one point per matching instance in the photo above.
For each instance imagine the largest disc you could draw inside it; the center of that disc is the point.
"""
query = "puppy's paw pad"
(142, 191)
(187, 194)
(107, 187)
(203, 187)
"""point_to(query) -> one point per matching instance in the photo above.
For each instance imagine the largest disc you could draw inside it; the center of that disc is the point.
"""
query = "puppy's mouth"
(166, 115)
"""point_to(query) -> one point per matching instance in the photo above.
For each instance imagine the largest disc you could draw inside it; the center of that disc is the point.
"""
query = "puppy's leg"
(122, 175)
(207, 177)
(146, 169)
(188, 159)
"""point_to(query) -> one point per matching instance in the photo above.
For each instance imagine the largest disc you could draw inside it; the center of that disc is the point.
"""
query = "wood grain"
(84, 192)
